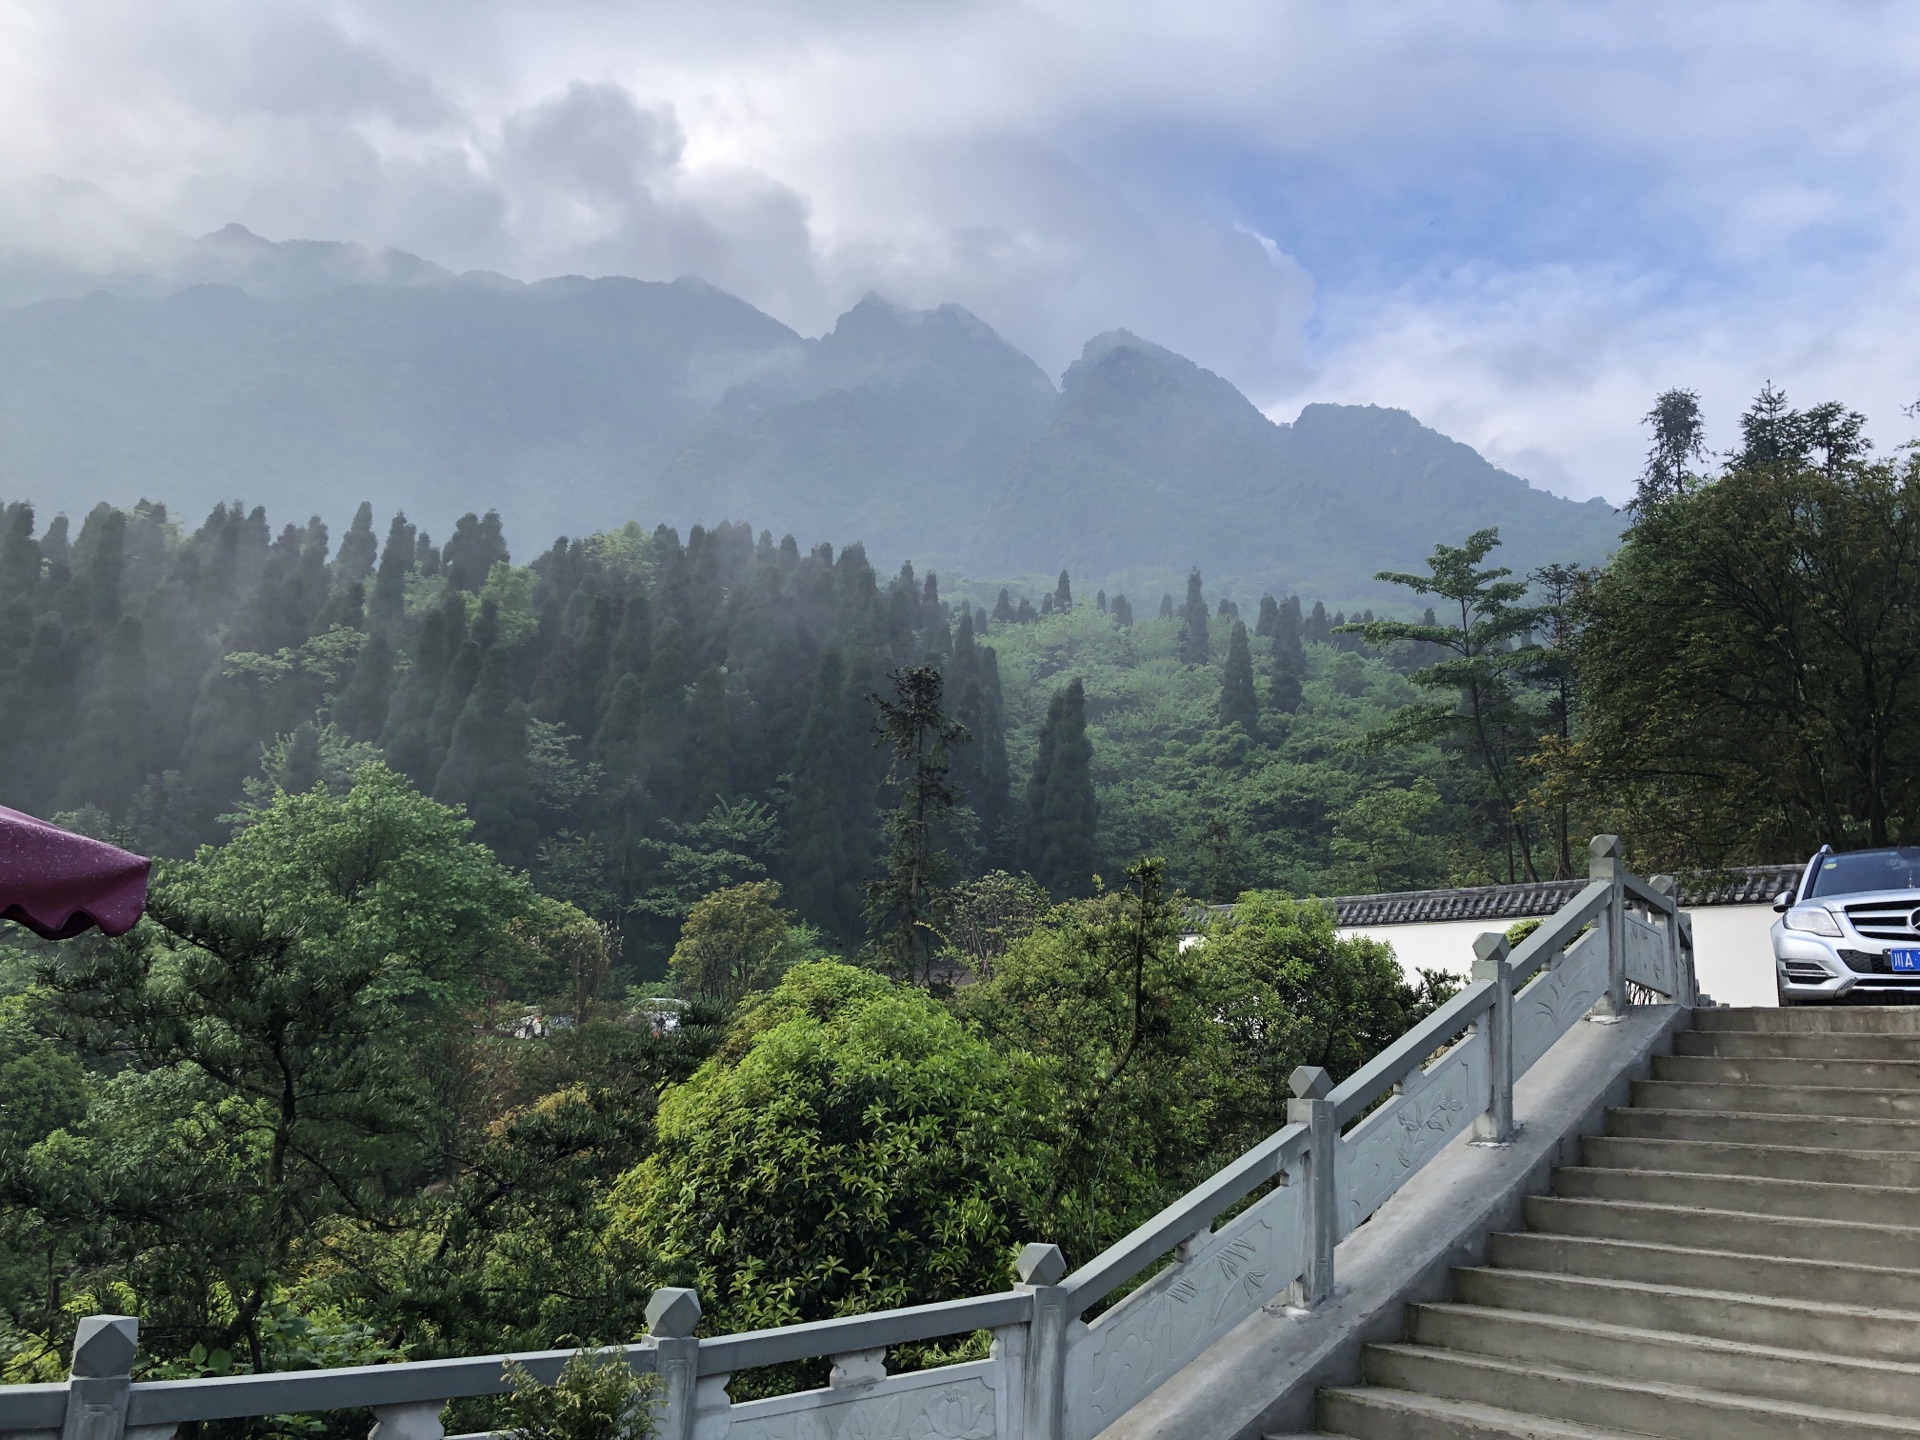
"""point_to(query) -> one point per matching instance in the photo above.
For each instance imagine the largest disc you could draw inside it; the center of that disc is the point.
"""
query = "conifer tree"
(1289, 662)
(1002, 608)
(1269, 616)
(663, 705)
(390, 582)
(1061, 811)
(904, 905)
(361, 710)
(1100, 601)
(411, 712)
(354, 560)
(1122, 612)
(1026, 614)
(1319, 629)
(1239, 704)
(110, 753)
(1196, 646)
(1063, 593)
(486, 764)
(476, 546)
(1046, 604)
(709, 744)
(1166, 607)
(820, 869)
(462, 673)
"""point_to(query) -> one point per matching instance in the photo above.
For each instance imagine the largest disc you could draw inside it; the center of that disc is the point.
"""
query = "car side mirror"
(1782, 901)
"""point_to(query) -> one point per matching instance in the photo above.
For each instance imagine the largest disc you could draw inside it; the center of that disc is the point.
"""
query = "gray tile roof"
(1740, 885)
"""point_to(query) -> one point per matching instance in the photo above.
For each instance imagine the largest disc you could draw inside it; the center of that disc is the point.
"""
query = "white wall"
(1733, 958)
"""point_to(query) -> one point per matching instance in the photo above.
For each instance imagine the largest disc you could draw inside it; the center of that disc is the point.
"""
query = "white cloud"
(1517, 221)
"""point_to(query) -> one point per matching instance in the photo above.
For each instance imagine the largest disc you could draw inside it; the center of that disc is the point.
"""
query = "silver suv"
(1851, 929)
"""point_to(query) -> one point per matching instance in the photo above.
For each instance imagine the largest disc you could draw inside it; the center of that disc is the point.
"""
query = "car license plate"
(1904, 959)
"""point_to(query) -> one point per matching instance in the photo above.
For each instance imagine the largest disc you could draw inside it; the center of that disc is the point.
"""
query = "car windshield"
(1867, 870)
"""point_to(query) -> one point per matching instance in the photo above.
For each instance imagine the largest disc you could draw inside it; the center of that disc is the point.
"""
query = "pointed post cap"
(1310, 1082)
(1040, 1264)
(673, 1312)
(1490, 948)
(1603, 857)
(104, 1346)
(1665, 884)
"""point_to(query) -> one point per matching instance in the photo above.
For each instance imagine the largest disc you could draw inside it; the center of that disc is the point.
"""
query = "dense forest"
(638, 721)
(721, 913)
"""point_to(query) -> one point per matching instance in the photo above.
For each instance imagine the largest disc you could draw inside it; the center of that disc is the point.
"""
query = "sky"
(1519, 221)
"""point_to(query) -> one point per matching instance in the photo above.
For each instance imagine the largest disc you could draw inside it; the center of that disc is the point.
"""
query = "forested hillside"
(720, 912)
(298, 371)
(638, 721)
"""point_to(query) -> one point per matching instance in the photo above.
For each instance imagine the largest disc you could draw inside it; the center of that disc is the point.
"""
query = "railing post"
(1310, 1107)
(1041, 1268)
(100, 1379)
(418, 1420)
(1677, 957)
(1603, 863)
(672, 1312)
(1495, 1127)
(1009, 1355)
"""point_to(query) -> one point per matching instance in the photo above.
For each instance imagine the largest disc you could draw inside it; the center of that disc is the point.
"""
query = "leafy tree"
(735, 940)
(1747, 673)
(272, 1008)
(845, 1151)
(1485, 711)
(1239, 703)
(596, 1397)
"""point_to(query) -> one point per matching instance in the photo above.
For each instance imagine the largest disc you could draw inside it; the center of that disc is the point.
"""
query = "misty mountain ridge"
(307, 375)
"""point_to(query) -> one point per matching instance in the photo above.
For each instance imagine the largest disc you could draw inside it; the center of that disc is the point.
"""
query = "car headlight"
(1814, 919)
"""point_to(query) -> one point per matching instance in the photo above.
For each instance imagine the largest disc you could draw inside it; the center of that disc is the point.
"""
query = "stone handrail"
(1050, 1375)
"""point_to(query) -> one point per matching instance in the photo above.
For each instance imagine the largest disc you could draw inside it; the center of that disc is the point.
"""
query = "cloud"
(1518, 222)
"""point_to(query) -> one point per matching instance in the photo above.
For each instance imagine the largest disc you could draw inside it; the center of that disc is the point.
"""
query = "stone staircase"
(1737, 1256)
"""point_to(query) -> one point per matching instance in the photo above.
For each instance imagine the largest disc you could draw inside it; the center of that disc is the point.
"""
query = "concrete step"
(1849, 1242)
(1747, 1194)
(1779, 1070)
(1824, 1327)
(1728, 1367)
(1827, 1100)
(1384, 1414)
(1797, 1044)
(1855, 1132)
(1628, 1403)
(1814, 1019)
(1710, 1157)
(1773, 1276)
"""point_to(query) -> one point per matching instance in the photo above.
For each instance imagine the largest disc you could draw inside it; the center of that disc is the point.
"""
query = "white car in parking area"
(1850, 931)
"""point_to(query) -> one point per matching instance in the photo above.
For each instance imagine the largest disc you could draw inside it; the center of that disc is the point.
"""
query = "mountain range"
(309, 375)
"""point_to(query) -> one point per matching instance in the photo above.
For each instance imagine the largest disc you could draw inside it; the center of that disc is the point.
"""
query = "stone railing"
(1049, 1374)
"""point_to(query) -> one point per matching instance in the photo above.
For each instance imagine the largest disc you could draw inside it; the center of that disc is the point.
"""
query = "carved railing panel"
(1126, 1353)
(1647, 959)
(954, 1402)
(1547, 1008)
(1383, 1150)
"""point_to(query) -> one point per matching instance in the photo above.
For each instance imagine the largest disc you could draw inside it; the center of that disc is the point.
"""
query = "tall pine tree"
(1239, 704)
(1061, 811)
(1196, 646)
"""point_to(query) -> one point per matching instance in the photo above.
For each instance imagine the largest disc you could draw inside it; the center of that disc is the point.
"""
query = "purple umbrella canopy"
(57, 883)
